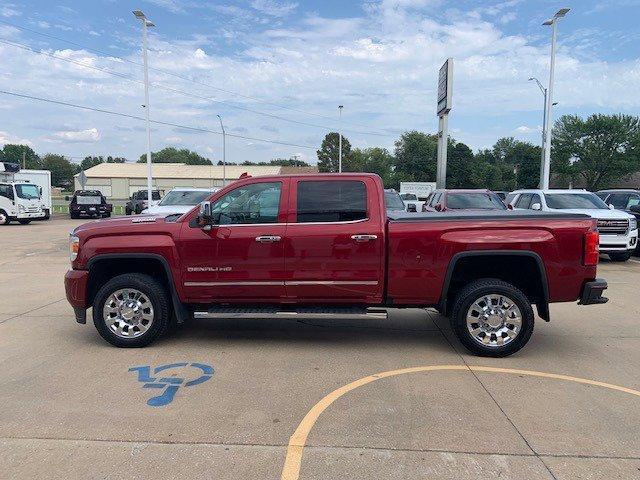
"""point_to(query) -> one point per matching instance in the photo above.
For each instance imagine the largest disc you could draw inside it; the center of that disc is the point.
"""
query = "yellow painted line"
(297, 442)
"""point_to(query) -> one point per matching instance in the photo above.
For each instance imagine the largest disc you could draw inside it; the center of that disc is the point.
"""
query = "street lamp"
(546, 164)
(224, 153)
(145, 24)
(340, 138)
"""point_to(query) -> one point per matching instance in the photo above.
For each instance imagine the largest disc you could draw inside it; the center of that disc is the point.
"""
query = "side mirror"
(536, 206)
(66, 198)
(412, 208)
(438, 207)
(205, 217)
(611, 207)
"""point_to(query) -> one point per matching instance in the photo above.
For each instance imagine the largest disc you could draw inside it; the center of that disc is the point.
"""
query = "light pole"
(224, 153)
(340, 138)
(145, 24)
(544, 126)
(546, 164)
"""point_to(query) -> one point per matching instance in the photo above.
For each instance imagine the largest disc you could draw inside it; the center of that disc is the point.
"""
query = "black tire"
(106, 215)
(138, 209)
(47, 214)
(127, 210)
(620, 257)
(73, 215)
(473, 291)
(4, 218)
(158, 297)
(24, 221)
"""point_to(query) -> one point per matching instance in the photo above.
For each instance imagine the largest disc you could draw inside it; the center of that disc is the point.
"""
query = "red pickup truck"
(325, 244)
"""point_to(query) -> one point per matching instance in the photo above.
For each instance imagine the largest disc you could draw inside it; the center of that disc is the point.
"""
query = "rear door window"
(535, 198)
(331, 201)
(523, 201)
(619, 200)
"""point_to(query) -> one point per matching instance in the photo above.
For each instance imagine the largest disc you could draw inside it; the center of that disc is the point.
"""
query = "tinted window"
(184, 197)
(535, 199)
(6, 191)
(574, 200)
(393, 201)
(619, 200)
(523, 201)
(602, 195)
(254, 203)
(483, 201)
(331, 201)
(510, 198)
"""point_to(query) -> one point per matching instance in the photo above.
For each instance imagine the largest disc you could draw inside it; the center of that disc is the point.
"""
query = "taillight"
(591, 250)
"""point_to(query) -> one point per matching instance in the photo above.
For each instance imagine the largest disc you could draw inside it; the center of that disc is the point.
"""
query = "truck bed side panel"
(420, 253)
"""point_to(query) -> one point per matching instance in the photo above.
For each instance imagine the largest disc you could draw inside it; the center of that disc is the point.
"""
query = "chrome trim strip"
(329, 282)
(276, 283)
(214, 284)
(292, 223)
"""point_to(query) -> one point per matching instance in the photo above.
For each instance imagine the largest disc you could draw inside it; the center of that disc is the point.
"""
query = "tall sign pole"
(445, 83)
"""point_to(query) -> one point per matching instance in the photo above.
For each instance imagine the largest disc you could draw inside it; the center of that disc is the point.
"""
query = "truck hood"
(599, 213)
(117, 225)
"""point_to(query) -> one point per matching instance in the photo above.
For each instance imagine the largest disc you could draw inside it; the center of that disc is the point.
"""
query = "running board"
(299, 312)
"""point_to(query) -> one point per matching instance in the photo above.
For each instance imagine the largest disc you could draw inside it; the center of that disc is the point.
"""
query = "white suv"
(618, 230)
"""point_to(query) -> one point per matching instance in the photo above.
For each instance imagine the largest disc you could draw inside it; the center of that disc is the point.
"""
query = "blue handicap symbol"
(170, 384)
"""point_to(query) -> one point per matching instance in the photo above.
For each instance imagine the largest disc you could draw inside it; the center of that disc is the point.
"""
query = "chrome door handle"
(268, 238)
(363, 238)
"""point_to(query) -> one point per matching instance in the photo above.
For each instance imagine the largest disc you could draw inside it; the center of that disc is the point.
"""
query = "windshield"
(393, 201)
(575, 200)
(28, 191)
(408, 196)
(184, 197)
(480, 200)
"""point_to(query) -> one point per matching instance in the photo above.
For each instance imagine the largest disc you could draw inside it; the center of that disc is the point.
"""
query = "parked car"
(328, 240)
(393, 202)
(140, 200)
(443, 200)
(179, 200)
(89, 203)
(410, 201)
(618, 229)
(622, 199)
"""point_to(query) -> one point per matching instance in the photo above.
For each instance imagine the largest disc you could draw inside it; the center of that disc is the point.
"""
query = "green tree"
(89, 161)
(111, 159)
(600, 150)
(523, 157)
(460, 158)
(173, 155)
(328, 157)
(62, 170)
(288, 162)
(373, 160)
(416, 156)
(13, 153)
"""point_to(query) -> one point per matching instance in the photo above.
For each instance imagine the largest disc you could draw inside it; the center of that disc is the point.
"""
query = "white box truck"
(41, 178)
(19, 200)
(414, 194)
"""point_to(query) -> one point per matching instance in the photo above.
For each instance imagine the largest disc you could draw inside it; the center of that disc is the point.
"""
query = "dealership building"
(121, 180)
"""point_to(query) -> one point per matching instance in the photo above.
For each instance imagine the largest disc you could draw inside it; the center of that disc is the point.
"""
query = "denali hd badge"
(208, 269)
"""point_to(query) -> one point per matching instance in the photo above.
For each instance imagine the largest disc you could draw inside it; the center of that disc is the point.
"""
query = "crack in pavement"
(30, 311)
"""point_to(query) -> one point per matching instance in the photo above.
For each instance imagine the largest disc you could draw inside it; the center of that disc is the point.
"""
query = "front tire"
(4, 218)
(131, 310)
(492, 318)
(620, 257)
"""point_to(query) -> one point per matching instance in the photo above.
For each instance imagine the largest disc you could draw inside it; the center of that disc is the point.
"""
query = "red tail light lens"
(591, 250)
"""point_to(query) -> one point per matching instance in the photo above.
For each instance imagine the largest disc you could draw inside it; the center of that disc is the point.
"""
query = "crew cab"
(325, 244)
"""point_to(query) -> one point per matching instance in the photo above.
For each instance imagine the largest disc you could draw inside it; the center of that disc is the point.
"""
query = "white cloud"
(90, 135)
(173, 139)
(175, 6)
(9, 10)
(6, 137)
(274, 8)
(524, 129)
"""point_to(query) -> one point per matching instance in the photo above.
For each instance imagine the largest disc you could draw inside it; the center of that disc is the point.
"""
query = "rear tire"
(4, 218)
(508, 324)
(73, 215)
(110, 316)
(620, 257)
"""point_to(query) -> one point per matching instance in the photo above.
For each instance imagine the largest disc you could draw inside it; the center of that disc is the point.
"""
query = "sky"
(276, 71)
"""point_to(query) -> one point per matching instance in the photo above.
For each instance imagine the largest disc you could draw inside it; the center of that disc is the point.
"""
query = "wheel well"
(523, 271)
(103, 270)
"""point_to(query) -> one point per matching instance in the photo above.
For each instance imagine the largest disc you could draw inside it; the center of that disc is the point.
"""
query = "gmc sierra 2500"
(324, 244)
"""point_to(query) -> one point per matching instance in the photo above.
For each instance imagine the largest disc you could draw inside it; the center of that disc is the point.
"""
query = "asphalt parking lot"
(240, 399)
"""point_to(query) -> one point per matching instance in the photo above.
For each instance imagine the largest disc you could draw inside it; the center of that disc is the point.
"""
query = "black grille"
(613, 227)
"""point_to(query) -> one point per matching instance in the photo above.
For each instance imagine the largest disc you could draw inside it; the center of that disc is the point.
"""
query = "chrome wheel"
(128, 313)
(494, 320)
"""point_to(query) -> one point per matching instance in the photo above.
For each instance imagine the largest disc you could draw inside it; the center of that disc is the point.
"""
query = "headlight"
(21, 209)
(74, 247)
(633, 224)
